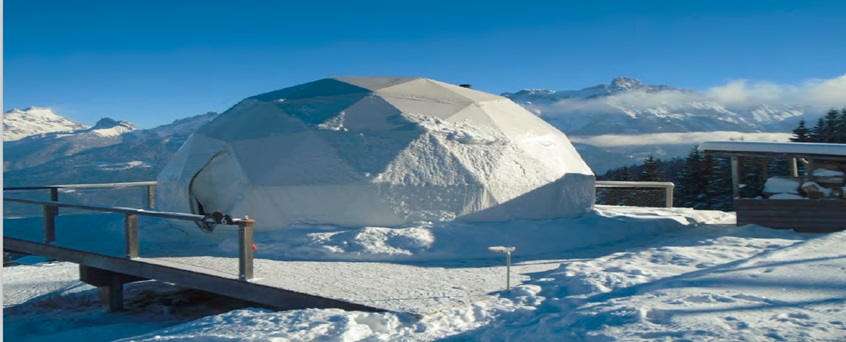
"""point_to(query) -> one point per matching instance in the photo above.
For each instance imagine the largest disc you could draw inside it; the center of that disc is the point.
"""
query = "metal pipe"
(669, 195)
(508, 272)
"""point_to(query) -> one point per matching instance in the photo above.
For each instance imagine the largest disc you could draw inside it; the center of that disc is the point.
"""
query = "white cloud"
(686, 138)
(818, 93)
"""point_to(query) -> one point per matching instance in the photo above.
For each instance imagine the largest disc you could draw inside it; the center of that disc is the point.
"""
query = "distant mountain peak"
(18, 124)
(626, 83)
(107, 123)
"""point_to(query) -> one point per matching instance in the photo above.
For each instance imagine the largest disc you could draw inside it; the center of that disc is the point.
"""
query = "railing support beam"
(151, 196)
(131, 233)
(49, 223)
(245, 249)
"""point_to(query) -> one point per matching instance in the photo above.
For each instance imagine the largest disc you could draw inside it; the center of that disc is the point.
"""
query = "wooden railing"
(50, 211)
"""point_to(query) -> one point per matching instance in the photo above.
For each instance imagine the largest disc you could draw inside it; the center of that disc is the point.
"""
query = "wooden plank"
(208, 280)
(794, 223)
(787, 214)
(804, 204)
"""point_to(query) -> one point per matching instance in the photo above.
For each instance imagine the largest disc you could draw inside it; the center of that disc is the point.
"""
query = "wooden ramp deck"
(121, 270)
(107, 246)
(415, 289)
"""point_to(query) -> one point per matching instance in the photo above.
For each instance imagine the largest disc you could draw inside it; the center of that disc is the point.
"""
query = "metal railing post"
(245, 249)
(669, 195)
(54, 196)
(131, 231)
(508, 272)
(151, 196)
(49, 223)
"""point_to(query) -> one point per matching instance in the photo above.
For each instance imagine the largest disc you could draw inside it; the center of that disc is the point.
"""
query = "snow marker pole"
(507, 251)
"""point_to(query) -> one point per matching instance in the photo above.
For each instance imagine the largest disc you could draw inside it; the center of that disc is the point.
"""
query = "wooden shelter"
(820, 205)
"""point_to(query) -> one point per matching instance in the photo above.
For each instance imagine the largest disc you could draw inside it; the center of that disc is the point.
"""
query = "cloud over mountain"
(815, 93)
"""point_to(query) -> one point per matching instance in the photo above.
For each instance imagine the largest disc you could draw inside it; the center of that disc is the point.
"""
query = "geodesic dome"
(377, 151)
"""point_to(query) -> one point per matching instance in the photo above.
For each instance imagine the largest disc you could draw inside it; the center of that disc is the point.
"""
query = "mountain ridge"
(629, 106)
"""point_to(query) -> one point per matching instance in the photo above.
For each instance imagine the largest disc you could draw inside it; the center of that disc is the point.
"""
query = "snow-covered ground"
(617, 273)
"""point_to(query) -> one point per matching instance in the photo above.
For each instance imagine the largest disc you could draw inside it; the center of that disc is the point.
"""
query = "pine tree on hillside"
(719, 188)
(622, 174)
(830, 126)
(651, 170)
(692, 181)
(840, 128)
(801, 133)
(818, 132)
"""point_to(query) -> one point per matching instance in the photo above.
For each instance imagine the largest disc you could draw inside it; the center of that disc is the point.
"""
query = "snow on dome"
(377, 151)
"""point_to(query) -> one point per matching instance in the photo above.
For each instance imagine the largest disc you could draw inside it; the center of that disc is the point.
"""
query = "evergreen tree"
(692, 181)
(622, 174)
(719, 188)
(651, 170)
(818, 132)
(801, 133)
(840, 128)
(830, 124)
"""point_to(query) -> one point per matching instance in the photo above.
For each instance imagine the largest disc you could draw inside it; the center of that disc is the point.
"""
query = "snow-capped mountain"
(111, 151)
(18, 124)
(35, 150)
(628, 106)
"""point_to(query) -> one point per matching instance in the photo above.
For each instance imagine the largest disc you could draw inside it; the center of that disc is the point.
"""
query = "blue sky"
(151, 62)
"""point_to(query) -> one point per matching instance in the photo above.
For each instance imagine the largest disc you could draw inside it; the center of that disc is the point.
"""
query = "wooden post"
(49, 224)
(794, 169)
(54, 196)
(735, 176)
(151, 196)
(112, 294)
(131, 233)
(245, 249)
(809, 171)
(765, 169)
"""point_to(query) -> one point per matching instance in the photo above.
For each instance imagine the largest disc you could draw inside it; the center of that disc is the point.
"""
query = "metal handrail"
(50, 210)
(667, 186)
(54, 189)
(78, 186)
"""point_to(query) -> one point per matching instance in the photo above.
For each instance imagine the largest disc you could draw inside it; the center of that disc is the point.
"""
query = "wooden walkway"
(116, 259)
(112, 272)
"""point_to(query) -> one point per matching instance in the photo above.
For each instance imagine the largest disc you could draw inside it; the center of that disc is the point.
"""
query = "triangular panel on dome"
(321, 88)
(375, 83)
(425, 90)
(431, 110)
(369, 152)
(503, 112)
(470, 93)
(475, 114)
(371, 113)
(315, 111)
(251, 119)
(296, 153)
